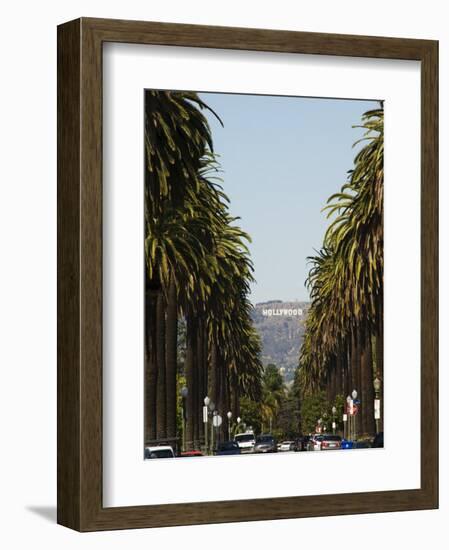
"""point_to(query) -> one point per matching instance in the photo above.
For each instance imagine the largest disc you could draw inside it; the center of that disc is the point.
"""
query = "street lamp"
(205, 421)
(348, 416)
(184, 394)
(211, 405)
(354, 397)
(237, 425)
(325, 421)
(229, 415)
(377, 387)
(334, 412)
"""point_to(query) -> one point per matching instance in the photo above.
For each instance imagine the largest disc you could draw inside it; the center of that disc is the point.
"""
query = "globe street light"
(229, 415)
(334, 411)
(354, 397)
(237, 426)
(348, 413)
(205, 421)
(377, 387)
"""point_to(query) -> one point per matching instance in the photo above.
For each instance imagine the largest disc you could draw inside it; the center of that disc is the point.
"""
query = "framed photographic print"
(247, 259)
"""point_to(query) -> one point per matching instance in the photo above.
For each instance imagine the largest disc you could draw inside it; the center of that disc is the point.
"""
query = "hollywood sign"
(279, 312)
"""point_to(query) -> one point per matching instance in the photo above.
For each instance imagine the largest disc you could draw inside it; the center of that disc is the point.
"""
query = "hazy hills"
(281, 328)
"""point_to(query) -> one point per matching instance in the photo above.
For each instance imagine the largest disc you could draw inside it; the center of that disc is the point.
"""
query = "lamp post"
(377, 387)
(205, 420)
(212, 411)
(216, 422)
(354, 397)
(325, 422)
(237, 426)
(184, 394)
(348, 416)
(334, 411)
(229, 415)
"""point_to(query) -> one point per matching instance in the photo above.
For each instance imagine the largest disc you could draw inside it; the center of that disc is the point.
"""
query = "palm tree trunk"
(200, 379)
(328, 386)
(161, 412)
(190, 382)
(355, 370)
(171, 339)
(380, 369)
(195, 387)
(234, 396)
(205, 360)
(339, 374)
(151, 370)
(368, 388)
(355, 363)
(333, 380)
(213, 373)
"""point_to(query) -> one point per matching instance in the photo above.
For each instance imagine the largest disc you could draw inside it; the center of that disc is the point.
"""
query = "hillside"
(281, 328)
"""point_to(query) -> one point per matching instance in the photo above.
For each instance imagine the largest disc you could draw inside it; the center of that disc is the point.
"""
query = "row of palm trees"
(197, 269)
(343, 343)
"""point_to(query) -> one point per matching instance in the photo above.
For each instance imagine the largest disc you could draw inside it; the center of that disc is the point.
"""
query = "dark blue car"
(228, 448)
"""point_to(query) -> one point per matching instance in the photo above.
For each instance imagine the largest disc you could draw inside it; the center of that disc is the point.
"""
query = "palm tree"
(197, 268)
(346, 279)
(177, 138)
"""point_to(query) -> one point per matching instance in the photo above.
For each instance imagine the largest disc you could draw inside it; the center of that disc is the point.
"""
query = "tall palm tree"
(346, 277)
(177, 138)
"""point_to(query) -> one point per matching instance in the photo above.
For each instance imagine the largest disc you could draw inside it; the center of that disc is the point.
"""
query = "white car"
(285, 446)
(315, 442)
(162, 451)
(246, 442)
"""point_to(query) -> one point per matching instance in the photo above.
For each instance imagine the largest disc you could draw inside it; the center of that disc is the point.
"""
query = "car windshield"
(244, 437)
(331, 437)
(159, 453)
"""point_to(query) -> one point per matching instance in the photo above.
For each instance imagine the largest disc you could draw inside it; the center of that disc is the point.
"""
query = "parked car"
(347, 444)
(330, 442)
(301, 443)
(228, 448)
(162, 451)
(378, 441)
(265, 443)
(246, 442)
(286, 446)
(191, 453)
(315, 442)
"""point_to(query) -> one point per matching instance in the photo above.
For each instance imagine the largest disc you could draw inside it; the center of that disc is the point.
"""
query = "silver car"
(266, 444)
(330, 442)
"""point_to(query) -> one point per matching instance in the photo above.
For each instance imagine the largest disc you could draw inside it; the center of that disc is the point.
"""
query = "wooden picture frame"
(80, 503)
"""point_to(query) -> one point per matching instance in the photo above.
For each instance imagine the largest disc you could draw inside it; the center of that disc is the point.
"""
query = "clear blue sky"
(282, 157)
